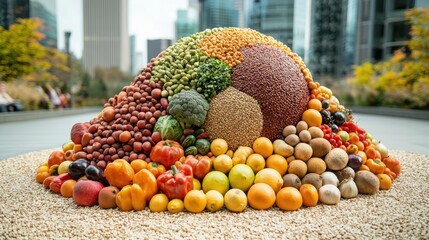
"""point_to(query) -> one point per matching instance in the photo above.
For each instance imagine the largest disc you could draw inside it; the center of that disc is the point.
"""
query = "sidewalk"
(42, 114)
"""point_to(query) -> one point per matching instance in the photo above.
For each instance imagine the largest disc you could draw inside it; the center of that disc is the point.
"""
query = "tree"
(403, 80)
(22, 55)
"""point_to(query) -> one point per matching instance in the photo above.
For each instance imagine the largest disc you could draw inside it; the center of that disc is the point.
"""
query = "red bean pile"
(274, 79)
(124, 129)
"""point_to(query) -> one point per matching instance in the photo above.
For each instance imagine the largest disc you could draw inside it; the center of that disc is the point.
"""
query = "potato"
(313, 179)
(367, 182)
(282, 148)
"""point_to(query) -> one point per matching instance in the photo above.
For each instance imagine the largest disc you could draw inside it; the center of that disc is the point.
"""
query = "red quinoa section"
(272, 78)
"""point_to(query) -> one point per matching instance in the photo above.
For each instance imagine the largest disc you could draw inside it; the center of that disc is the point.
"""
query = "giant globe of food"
(223, 108)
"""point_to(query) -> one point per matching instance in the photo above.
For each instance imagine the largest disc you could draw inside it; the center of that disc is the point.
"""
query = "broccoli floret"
(189, 108)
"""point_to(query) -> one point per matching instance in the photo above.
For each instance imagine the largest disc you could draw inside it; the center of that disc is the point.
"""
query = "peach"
(85, 192)
(78, 130)
(107, 197)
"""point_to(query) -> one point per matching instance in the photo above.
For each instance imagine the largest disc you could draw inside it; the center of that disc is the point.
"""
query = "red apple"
(78, 130)
(85, 192)
(56, 183)
(107, 197)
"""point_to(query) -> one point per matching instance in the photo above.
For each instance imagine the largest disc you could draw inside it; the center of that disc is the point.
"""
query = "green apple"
(344, 136)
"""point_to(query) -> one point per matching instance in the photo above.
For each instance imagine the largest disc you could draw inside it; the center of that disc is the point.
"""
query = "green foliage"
(189, 108)
(30, 96)
(22, 55)
(403, 80)
(213, 77)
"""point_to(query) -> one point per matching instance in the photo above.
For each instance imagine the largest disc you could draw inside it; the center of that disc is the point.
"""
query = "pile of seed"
(235, 117)
(124, 129)
(177, 66)
(28, 211)
(274, 79)
(225, 44)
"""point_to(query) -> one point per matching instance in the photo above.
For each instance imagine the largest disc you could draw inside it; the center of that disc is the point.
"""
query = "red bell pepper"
(201, 165)
(177, 182)
(167, 152)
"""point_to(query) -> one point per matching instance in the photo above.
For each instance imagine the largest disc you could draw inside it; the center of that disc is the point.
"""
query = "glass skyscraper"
(217, 13)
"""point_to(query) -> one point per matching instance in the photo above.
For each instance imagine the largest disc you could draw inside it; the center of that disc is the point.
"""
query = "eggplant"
(95, 173)
(77, 168)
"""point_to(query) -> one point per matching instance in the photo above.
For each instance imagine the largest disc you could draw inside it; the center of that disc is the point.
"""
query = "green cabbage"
(168, 127)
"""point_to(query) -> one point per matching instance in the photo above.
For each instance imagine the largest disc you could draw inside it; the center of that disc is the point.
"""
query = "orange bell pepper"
(131, 197)
(201, 165)
(376, 166)
(155, 168)
(119, 173)
(147, 182)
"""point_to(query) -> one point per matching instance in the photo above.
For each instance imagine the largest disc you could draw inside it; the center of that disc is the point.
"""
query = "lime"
(216, 180)
(241, 176)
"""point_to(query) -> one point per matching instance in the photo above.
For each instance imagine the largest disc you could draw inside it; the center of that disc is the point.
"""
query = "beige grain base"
(29, 211)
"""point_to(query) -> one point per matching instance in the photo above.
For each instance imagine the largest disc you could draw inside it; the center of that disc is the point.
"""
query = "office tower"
(217, 13)
(133, 56)
(105, 35)
(382, 28)
(156, 46)
(186, 23)
(274, 18)
(11, 10)
(327, 40)
(301, 28)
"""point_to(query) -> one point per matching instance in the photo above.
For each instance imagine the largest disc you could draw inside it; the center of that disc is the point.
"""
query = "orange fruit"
(41, 176)
(315, 104)
(310, 195)
(271, 177)
(385, 181)
(138, 164)
(289, 198)
(195, 201)
(56, 158)
(67, 188)
(277, 162)
(353, 138)
(261, 196)
(312, 117)
(263, 146)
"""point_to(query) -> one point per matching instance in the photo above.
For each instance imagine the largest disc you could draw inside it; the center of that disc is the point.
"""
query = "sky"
(148, 19)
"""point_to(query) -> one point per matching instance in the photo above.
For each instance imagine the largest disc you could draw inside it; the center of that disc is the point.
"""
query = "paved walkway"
(31, 135)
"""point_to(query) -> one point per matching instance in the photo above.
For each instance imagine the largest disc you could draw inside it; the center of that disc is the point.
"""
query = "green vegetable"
(191, 150)
(189, 108)
(213, 77)
(188, 141)
(168, 127)
(203, 146)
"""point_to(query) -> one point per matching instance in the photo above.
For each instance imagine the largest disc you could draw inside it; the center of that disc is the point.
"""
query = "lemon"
(175, 206)
(214, 200)
(256, 161)
(42, 169)
(241, 176)
(64, 167)
(271, 177)
(222, 163)
(196, 184)
(158, 203)
(218, 146)
(235, 200)
(216, 180)
(195, 201)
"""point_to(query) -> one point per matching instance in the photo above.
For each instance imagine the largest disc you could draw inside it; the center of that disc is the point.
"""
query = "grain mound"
(274, 79)
(235, 117)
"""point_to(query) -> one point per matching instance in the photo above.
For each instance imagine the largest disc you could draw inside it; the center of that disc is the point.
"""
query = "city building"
(382, 28)
(156, 46)
(328, 39)
(11, 10)
(105, 35)
(301, 28)
(217, 13)
(186, 23)
(274, 18)
(133, 56)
